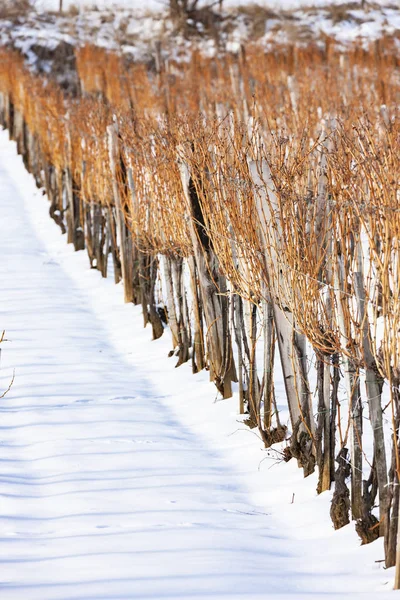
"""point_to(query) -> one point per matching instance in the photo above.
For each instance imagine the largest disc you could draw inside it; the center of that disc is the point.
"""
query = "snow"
(53, 5)
(122, 477)
(154, 4)
(134, 27)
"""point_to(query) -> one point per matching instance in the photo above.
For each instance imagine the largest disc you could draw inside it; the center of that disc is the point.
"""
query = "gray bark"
(125, 241)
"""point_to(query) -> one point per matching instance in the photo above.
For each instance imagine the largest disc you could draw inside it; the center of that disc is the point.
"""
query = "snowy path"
(104, 493)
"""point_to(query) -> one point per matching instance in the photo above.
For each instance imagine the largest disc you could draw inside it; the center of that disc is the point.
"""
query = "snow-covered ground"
(137, 4)
(122, 477)
(134, 27)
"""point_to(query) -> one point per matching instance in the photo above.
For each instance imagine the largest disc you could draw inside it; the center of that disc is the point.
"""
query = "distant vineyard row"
(263, 191)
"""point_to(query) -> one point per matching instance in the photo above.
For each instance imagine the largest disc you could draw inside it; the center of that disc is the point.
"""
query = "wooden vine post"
(125, 242)
(289, 344)
(219, 348)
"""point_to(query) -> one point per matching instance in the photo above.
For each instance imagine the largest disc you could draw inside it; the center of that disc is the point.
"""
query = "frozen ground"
(122, 477)
(134, 27)
(275, 4)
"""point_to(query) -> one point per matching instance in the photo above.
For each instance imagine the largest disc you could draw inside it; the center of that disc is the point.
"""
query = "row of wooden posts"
(216, 326)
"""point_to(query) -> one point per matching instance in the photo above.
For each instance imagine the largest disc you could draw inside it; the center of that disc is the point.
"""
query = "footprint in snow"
(250, 513)
(51, 262)
(127, 441)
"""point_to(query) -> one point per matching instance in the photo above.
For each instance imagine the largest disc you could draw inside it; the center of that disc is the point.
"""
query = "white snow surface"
(154, 4)
(122, 477)
(133, 27)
